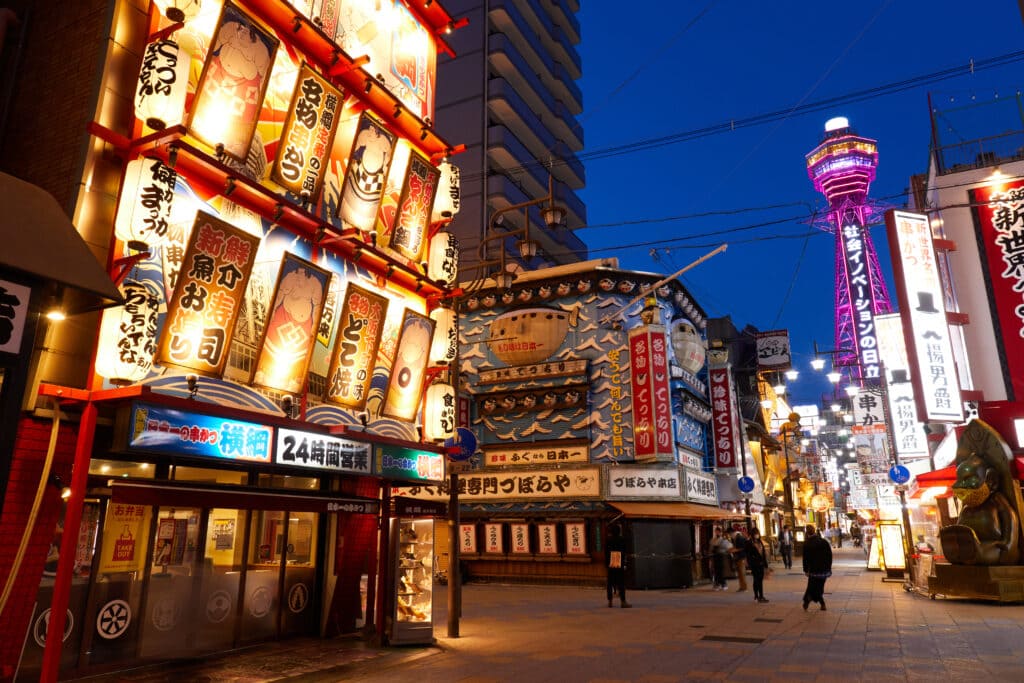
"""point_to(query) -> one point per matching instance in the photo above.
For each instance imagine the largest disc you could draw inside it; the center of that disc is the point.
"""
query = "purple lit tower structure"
(842, 168)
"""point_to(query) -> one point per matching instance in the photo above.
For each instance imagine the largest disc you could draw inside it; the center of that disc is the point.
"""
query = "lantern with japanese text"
(688, 346)
(443, 258)
(439, 412)
(445, 343)
(144, 210)
(163, 83)
(128, 334)
(449, 191)
(178, 10)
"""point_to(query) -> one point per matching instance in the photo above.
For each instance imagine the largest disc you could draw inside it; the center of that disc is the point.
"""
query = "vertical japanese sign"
(999, 224)
(652, 411)
(919, 288)
(308, 135)
(575, 538)
(234, 80)
(367, 171)
(291, 327)
(908, 434)
(493, 541)
(409, 235)
(127, 339)
(13, 314)
(862, 299)
(547, 541)
(202, 311)
(618, 398)
(467, 539)
(124, 538)
(723, 420)
(405, 384)
(360, 326)
(773, 351)
(520, 538)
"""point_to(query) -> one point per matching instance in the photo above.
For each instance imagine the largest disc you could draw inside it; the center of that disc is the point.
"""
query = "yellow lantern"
(445, 344)
(443, 258)
(163, 84)
(449, 191)
(128, 334)
(178, 10)
(439, 412)
(144, 210)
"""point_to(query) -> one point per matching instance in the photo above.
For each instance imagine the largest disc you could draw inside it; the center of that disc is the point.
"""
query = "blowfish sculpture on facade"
(988, 530)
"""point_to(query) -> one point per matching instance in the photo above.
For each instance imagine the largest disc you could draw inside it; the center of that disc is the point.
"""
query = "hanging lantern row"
(163, 84)
(439, 412)
(445, 344)
(127, 339)
(449, 191)
(443, 258)
(144, 210)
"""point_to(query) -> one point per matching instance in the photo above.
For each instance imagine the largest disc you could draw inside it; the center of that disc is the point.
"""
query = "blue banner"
(154, 428)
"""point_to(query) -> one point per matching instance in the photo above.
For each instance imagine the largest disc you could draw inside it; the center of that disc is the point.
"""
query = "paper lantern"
(439, 412)
(443, 258)
(448, 197)
(688, 346)
(163, 83)
(445, 344)
(178, 10)
(144, 210)
(128, 334)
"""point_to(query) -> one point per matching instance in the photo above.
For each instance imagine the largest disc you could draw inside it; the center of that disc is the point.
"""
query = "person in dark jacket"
(817, 566)
(617, 566)
(739, 555)
(757, 560)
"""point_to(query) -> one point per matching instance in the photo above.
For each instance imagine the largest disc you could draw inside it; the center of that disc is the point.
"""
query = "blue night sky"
(647, 75)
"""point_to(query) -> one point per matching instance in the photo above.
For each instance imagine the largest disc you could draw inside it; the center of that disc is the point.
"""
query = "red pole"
(68, 545)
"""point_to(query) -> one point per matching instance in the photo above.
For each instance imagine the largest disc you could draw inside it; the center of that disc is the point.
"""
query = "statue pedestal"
(1001, 583)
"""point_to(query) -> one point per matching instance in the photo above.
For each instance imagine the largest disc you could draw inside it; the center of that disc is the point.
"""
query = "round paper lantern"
(688, 346)
(128, 334)
(178, 10)
(445, 344)
(144, 210)
(819, 502)
(439, 412)
(449, 191)
(443, 258)
(163, 83)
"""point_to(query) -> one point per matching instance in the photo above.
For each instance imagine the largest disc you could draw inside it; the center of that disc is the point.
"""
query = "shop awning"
(673, 510)
(40, 241)
(935, 484)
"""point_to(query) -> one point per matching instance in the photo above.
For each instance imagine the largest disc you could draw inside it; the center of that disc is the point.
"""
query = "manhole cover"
(733, 639)
(770, 621)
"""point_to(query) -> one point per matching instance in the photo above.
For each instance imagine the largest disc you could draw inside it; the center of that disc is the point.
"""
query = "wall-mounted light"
(398, 110)
(424, 132)
(57, 482)
(527, 249)
(193, 385)
(368, 86)
(554, 216)
(288, 405)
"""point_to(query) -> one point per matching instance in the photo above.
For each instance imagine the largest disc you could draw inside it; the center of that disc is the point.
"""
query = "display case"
(413, 543)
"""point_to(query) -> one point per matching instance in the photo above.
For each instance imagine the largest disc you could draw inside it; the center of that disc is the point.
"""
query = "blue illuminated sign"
(155, 428)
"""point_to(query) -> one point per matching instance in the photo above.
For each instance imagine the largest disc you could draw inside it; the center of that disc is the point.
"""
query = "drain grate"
(769, 621)
(733, 639)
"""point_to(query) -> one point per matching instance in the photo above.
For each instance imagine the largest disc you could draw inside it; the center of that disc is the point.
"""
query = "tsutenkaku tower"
(842, 168)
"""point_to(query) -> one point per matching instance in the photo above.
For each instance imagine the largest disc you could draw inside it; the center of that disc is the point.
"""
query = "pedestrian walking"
(757, 559)
(617, 566)
(817, 566)
(739, 554)
(721, 547)
(786, 546)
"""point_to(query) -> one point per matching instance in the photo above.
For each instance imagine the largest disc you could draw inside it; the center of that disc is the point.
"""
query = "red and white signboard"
(520, 538)
(723, 419)
(652, 409)
(999, 223)
(493, 541)
(467, 539)
(926, 331)
(575, 538)
(547, 539)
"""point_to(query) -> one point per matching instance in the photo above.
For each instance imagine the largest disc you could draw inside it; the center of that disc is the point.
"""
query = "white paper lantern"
(439, 412)
(163, 84)
(688, 346)
(144, 210)
(128, 334)
(178, 10)
(449, 191)
(445, 344)
(443, 258)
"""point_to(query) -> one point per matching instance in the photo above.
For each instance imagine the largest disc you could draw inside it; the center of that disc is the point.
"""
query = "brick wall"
(26, 469)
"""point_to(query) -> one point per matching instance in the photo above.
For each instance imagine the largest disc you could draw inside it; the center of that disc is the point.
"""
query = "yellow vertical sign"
(124, 538)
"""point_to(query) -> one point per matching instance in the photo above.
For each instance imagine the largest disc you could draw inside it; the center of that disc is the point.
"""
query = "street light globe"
(818, 363)
(852, 390)
(779, 389)
(792, 374)
(834, 377)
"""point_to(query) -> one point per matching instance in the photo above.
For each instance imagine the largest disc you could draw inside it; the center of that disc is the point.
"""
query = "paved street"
(872, 630)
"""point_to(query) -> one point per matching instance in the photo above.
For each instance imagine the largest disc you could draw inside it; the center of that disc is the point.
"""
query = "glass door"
(299, 615)
(167, 619)
(220, 574)
(263, 575)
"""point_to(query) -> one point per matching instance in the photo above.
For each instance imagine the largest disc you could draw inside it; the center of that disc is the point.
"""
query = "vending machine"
(412, 543)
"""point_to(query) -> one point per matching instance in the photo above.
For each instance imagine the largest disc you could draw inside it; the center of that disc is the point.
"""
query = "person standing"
(617, 566)
(757, 558)
(739, 554)
(786, 546)
(817, 567)
(720, 549)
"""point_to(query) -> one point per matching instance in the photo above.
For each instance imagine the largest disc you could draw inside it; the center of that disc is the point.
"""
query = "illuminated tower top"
(843, 165)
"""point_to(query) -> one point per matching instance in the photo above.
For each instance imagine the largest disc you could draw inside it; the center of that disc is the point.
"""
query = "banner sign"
(643, 482)
(308, 136)
(700, 487)
(873, 458)
(321, 452)
(405, 383)
(164, 430)
(723, 420)
(919, 287)
(862, 298)
(539, 454)
(202, 311)
(549, 484)
(868, 411)
(467, 539)
(568, 368)
(360, 327)
(409, 236)
(652, 410)
(908, 433)
(493, 539)
(13, 314)
(547, 539)
(397, 462)
(291, 327)
(520, 538)
(773, 350)
(999, 225)
(575, 538)
(367, 172)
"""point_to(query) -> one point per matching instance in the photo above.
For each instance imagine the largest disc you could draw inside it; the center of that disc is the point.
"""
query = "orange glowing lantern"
(144, 210)
(163, 84)
(128, 334)
(439, 412)
(178, 10)
(445, 343)
(443, 259)
(449, 192)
